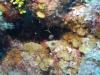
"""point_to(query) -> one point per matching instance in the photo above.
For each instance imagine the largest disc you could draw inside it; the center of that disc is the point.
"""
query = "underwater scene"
(49, 37)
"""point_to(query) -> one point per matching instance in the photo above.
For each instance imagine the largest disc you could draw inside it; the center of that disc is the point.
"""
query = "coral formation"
(49, 37)
(20, 5)
(91, 62)
(3, 24)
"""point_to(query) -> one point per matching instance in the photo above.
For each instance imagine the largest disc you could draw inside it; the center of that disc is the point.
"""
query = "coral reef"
(91, 62)
(20, 4)
(49, 37)
(3, 24)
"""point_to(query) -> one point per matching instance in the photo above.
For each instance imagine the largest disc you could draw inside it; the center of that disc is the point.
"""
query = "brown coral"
(13, 57)
(49, 6)
(77, 25)
(73, 39)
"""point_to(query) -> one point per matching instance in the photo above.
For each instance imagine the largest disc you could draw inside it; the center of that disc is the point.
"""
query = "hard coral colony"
(49, 37)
